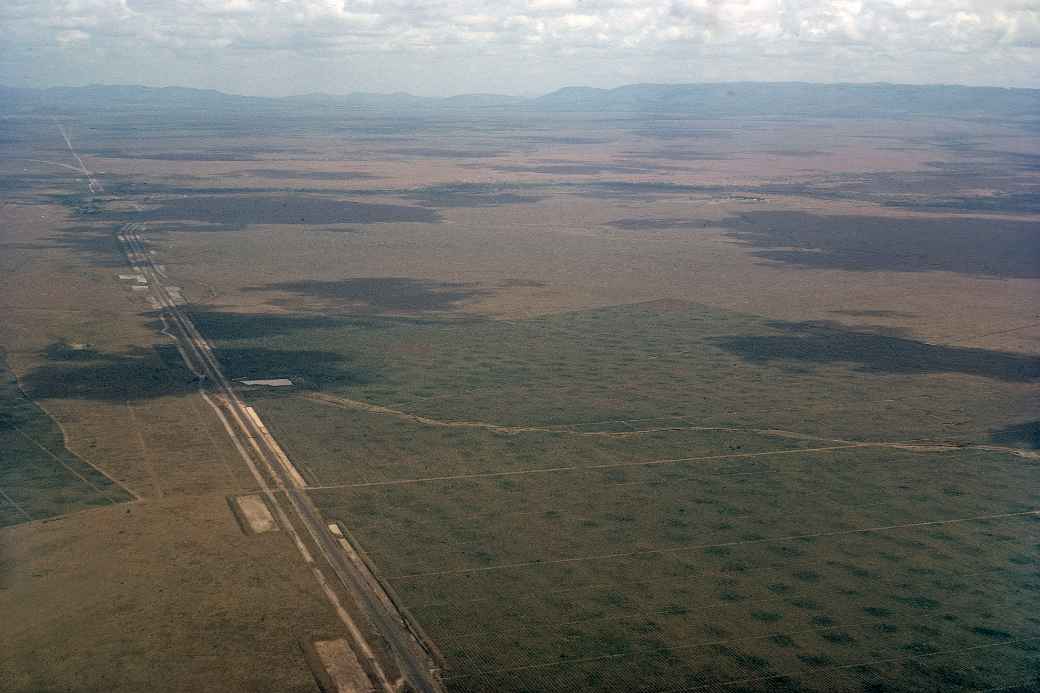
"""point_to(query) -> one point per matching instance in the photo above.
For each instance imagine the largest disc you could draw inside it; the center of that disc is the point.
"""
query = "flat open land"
(664, 496)
(41, 478)
(605, 401)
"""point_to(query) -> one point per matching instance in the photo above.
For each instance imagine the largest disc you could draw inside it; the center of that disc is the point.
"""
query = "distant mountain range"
(707, 100)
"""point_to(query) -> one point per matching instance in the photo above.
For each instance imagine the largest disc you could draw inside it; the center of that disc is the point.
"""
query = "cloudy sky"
(440, 47)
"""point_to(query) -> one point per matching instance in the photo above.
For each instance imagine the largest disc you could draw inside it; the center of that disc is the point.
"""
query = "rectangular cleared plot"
(257, 517)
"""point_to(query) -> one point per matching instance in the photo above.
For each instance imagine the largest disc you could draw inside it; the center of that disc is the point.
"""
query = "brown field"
(160, 591)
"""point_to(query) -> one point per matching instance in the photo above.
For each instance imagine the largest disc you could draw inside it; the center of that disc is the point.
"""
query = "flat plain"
(608, 402)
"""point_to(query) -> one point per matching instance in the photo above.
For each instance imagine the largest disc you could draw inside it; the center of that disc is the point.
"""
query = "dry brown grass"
(164, 593)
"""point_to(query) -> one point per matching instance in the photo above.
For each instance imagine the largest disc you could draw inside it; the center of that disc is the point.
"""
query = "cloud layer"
(450, 46)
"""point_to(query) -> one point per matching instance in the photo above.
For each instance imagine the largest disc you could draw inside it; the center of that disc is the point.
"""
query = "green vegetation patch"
(658, 364)
(691, 572)
(39, 477)
(666, 496)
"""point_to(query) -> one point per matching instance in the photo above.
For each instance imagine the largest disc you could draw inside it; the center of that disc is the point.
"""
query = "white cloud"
(71, 36)
(544, 40)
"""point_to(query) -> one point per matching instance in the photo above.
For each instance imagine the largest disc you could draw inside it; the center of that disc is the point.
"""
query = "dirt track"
(346, 403)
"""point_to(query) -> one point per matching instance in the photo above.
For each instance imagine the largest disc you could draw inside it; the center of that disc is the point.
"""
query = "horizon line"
(402, 93)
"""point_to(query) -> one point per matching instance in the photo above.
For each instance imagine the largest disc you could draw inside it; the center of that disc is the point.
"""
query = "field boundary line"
(574, 468)
(562, 429)
(16, 506)
(563, 511)
(52, 163)
(640, 614)
(819, 507)
(650, 463)
(530, 596)
(840, 667)
(971, 338)
(79, 476)
(217, 448)
(368, 407)
(458, 546)
(145, 452)
(65, 441)
(36, 309)
(693, 547)
(358, 405)
(386, 524)
(651, 651)
(1021, 685)
(643, 612)
(736, 682)
(82, 511)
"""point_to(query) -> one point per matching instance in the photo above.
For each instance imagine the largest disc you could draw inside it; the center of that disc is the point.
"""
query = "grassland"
(670, 497)
(706, 366)
(610, 404)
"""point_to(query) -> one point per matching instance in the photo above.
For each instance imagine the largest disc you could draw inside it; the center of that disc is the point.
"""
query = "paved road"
(414, 663)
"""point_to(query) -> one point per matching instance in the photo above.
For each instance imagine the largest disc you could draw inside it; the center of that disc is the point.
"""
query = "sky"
(524, 47)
